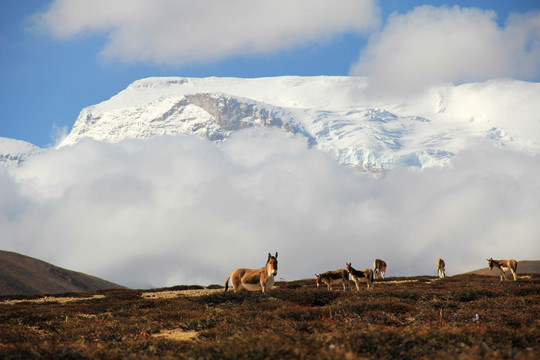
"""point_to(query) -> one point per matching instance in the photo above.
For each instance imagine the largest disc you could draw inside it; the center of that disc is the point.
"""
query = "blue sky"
(57, 57)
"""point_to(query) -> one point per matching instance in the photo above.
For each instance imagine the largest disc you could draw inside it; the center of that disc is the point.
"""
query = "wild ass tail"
(227, 283)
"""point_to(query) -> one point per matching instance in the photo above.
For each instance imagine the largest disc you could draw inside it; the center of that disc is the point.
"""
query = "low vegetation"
(465, 316)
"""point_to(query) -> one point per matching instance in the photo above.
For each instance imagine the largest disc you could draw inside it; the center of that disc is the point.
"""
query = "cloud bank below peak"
(178, 210)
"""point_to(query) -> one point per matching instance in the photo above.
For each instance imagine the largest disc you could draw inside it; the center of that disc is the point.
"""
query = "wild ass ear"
(269, 256)
(276, 254)
(347, 264)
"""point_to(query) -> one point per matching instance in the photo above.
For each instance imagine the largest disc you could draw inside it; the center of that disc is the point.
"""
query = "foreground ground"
(465, 316)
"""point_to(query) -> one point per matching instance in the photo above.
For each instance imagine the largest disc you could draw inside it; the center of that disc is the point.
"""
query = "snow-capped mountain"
(14, 152)
(209, 115)
(336, 114)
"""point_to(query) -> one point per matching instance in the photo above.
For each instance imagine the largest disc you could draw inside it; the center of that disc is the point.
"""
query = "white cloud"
(182, 31)
(180, 210)
(430, 45)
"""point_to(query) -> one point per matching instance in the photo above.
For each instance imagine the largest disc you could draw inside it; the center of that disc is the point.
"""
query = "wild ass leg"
(441, 273)
(356, 283)
(503, 274)
(369, 278)
(262, 281)
(235, 281)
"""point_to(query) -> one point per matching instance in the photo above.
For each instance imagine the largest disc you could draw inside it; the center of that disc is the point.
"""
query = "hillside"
(459, 317)
(20, 274)
(524, 267)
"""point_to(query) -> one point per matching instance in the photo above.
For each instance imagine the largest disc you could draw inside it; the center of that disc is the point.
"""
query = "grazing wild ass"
(379, 268)
(357, 274)
(440, 267)
(503, 265)
(333, 277)
(254, 279)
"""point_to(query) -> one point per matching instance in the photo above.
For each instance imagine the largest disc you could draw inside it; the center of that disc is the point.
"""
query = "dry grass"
(167, 294)
(51, 299)
(177, 335)
(460, 317)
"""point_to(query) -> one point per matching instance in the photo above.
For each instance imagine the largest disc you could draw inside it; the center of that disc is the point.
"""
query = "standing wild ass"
(379, 268)
(333, 277)
(440, 268)
(503, 265)
(357, 274)
(254, 279)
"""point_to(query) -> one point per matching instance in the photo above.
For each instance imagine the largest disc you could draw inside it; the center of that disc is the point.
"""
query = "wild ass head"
(271, 264)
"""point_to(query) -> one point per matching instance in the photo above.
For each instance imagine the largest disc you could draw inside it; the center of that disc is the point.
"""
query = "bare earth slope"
(20, 274)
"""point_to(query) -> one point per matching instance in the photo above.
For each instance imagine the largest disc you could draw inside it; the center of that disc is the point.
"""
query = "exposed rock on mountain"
(15, 152)
(335, 114)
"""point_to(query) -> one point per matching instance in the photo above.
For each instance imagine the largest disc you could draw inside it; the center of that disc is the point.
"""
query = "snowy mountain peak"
(209, 115)
(336, 114)
(15, 152)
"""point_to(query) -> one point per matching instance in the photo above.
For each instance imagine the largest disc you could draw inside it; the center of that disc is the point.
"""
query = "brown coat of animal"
(440, 268)
(502, 265)
(254, 279)
(333, 277)
(379, 268)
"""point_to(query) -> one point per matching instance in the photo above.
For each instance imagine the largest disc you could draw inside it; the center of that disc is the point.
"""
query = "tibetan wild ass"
(333, 277)
(379, 268)
(357, 274)
(440, 268)
(255, 279)
(503, 265)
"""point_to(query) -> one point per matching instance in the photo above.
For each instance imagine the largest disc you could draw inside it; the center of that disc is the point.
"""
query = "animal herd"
(263, 278)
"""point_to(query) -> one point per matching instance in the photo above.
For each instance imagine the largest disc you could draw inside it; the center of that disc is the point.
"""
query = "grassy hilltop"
(465, 316)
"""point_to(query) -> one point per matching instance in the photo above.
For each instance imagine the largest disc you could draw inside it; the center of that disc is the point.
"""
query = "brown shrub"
(465, 317)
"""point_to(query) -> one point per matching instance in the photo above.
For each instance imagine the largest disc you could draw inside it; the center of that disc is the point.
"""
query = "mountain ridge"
(335, 114)
(21, 274)
(15, 152)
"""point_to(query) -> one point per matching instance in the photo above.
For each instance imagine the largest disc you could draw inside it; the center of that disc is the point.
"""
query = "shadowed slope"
(20, 274)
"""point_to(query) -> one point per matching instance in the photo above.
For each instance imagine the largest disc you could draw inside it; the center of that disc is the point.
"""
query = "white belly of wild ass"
(257, 286)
